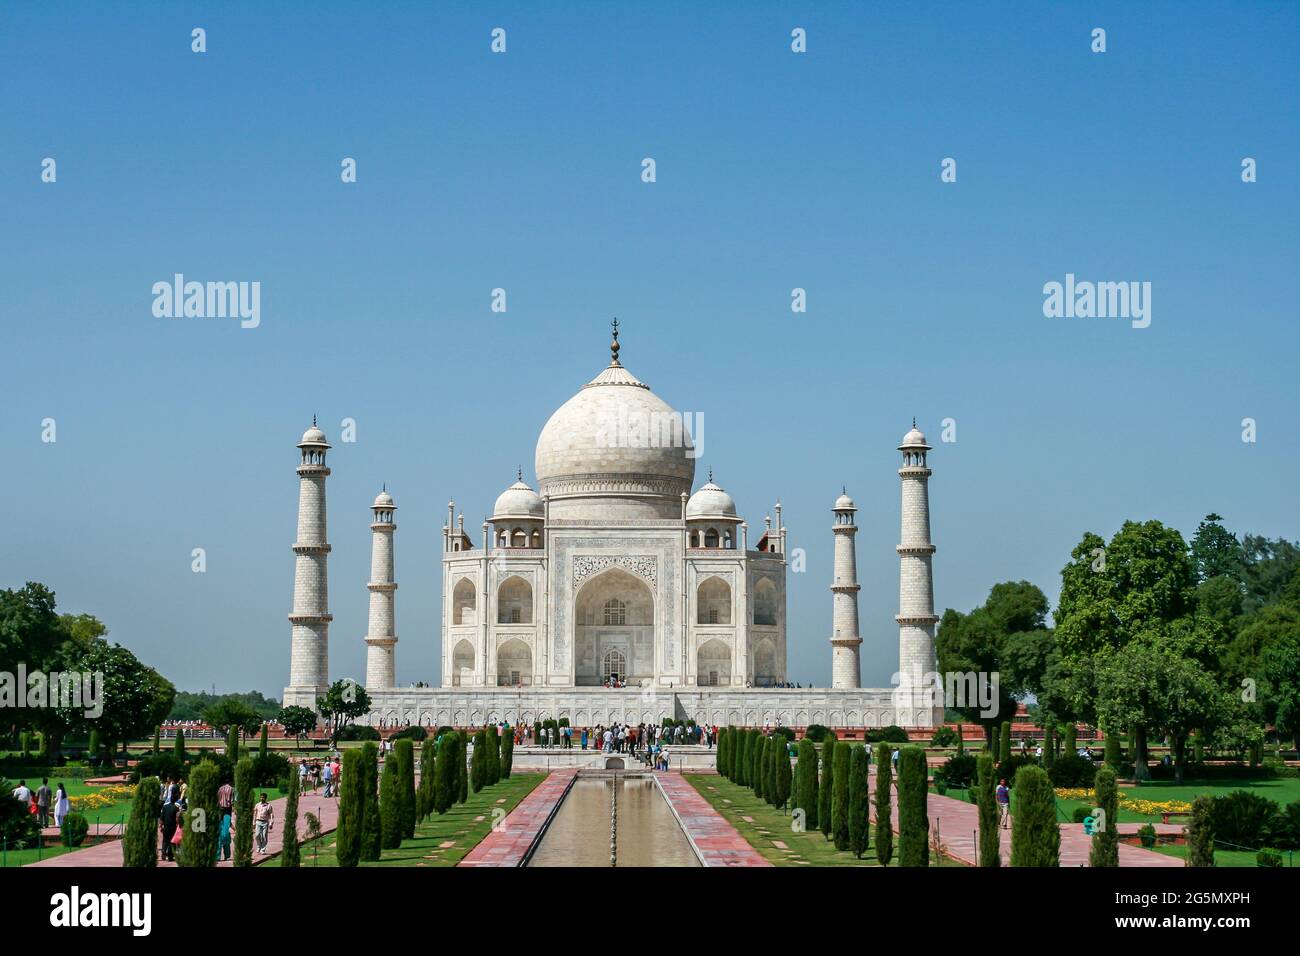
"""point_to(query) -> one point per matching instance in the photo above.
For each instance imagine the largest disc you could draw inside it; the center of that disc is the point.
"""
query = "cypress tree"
(1035, 838)
(784, 775)
(720, 758)
(826, 787)
(756, 763)
(140, 842)
(232, 746)
(1113, 757)
(859, 801)
(1071, 745)
(92, 745)
(771, 790)
(424, 789)
(405, 753)
(352, 809)
(478, 762)
(1105, 842)
(961, 744)
(243, 835)
(1004, 746)
(199, 847)
(805, 790)
(742, 758)
(913, 819)
(1200, 833)
(263, 745)
(840, 799)
(289, 849)
(462, 769)
(884, 805)
(444, 773)
(390, 805)
(987, 802)
(372, 840)
(157, 740)
(507, 754)
(178, 747)
(493, 756)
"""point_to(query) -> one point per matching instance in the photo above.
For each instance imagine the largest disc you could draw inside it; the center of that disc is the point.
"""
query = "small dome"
(518, 501)
(384, 500)
(313, 436)
(913, 439)
(845, 503)
(711, 502)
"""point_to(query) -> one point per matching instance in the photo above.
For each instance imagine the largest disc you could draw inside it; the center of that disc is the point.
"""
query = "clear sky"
(775, 170)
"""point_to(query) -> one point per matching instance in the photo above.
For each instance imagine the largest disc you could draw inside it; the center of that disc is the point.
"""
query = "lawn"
(463, 827)
(1226, 858)
(769, 826)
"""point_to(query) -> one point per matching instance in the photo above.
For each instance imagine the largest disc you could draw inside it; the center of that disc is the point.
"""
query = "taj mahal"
(616, 593)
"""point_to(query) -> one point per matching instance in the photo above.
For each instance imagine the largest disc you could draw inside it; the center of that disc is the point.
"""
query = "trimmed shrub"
(957, 771)
(404, 751)
(157, 739)
(493, 756)
(232, 746)
(1147, 834)
(1113, 755)
(390, 806)
(816, 732)
(178, 745)
(1035, 839)
(243, 836)
(289, 852)
(859, 801)
(913, 819)
(1070, 771)
(783, 777)
(1244, 818)
(140, 842)
(444, 773)
(893, 734)
(826, 787)
(785, 732)
(74, 829)
(162, 766)
(987, 802)
(478, 762)
(1080, 814)
(357, 732)
(840, 799)
(1105, 842)
(199, 847)
(805, 789)
(372, 841)
(1200, 833)
(944, 736)
(961, 740)
(1269, 858)
(263, 745)
(270, 769)
(884, 804)
(507, 755)
(424, 789)
(415, 733)
(352, 809)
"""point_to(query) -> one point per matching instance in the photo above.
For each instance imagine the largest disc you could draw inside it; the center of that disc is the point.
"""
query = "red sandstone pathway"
(110, 852)
(957, 823)
(508, 844)
(715, 840)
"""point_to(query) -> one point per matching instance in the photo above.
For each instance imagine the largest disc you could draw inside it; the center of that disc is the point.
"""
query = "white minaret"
(845, 640)
(309, 650)
(381, 641)
(916, 618)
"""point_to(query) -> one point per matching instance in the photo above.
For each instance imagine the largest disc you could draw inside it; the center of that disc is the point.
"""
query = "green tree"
(826, 788)
(884, 805)
(913, 818)
(229, 713)
(1035, 838)
(243, 836)
(1280, 669)
(760, 766)
(263, 745)
(961, 745)
(784, 778)
(859, 801)
(344, 702)
(178, 748)
(372, 838)
(290, 852)
(755, 763)
(352, 809)
(1113, 755)
(743, 744)
(840, 799)
(1070, 745)
(493, 767)
(1216, 551)
(157, 739)
(404, 751)
(1105, 840)
(390, 805)
(478, 762)
(140, 842)
(507, 754)
(462, 768)
(232, 746)
(424, 790)
(444, 773)
(297, 721)
(986, 801)
(202, 816)
(1004, 743)
(1200, 833)
(806, 784)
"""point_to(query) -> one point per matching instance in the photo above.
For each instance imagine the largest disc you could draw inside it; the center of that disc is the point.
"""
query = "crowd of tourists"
(41, 802)
(644, 740)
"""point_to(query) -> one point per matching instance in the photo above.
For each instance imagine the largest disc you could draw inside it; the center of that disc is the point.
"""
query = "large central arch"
(613, 611)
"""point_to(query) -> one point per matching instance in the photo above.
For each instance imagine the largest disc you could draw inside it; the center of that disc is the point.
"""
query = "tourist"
(171, 816)
(62, 805)
(22, 792)
(584, 738)
(1004, 803)
(226, 799)
(303, 773)
(328, 774)
(223, 838)
(263, 817)
(43, 803)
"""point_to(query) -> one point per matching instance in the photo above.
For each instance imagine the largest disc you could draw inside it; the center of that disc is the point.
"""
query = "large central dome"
(615, 450)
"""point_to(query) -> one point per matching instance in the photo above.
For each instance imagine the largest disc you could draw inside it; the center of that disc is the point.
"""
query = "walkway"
(716, 841)
(957, 823)
(109, 853)
(509, 843)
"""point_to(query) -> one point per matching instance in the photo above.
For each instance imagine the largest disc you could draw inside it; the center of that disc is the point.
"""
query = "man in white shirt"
(22, 792)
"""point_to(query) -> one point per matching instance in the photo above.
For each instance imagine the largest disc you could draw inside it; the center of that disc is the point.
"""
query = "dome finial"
(710, 476)
(385, 487)
(613, 346)
(913, 421)
(519, 474)
(313, 420)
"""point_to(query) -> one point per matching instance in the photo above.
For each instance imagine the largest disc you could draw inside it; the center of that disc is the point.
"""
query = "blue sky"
(522, 171)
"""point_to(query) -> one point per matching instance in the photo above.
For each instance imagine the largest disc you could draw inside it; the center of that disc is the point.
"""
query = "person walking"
(264, 818)
(1004, 803)
(62, 805)
(328, 774)
(171, 815)
(43, 803)
(226, 799)
(223, 838)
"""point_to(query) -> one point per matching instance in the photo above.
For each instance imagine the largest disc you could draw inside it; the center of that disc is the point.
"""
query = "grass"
(463, 826)
(769, 825)
(1225, 858)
